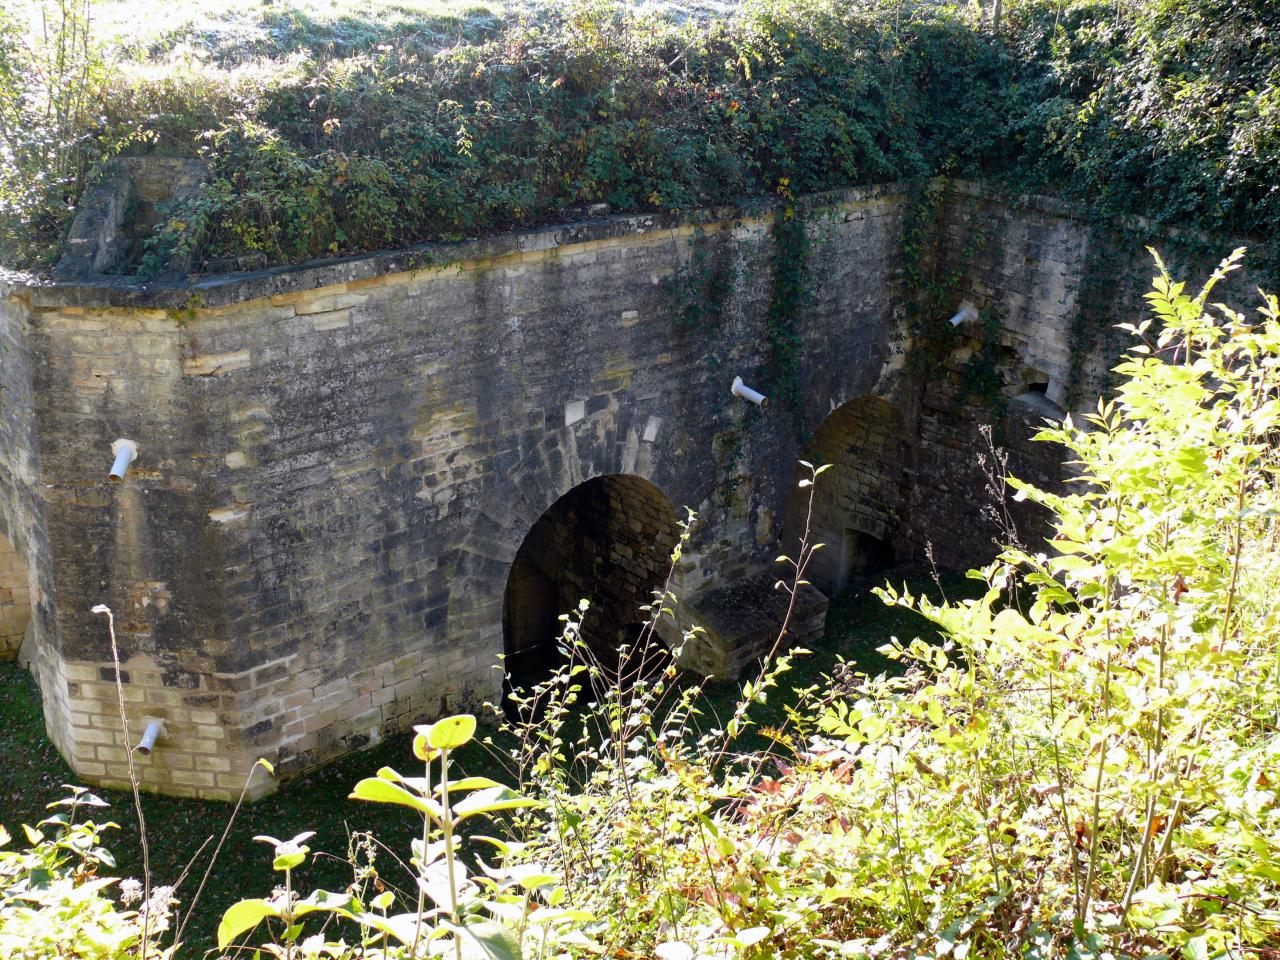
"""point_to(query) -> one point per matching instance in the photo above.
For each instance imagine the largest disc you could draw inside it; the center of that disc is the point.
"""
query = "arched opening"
(15, 600)
(609, 541)
(857, 504)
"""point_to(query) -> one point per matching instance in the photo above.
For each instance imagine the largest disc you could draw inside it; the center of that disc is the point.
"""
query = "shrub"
(370, 131)
(589, 104)
(55, 906)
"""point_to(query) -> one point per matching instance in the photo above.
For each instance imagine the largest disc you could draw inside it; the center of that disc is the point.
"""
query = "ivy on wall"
(789, 296)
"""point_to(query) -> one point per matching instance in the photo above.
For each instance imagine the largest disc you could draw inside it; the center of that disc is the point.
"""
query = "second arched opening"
(858, 503)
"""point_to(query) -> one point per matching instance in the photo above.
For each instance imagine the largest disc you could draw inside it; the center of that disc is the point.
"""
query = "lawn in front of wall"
(32, 774)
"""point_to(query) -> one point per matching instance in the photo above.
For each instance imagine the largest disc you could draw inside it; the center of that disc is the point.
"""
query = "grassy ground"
(32, 772)
(236, 31)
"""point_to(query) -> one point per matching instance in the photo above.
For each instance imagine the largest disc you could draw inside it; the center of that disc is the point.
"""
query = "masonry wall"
(608, 541)
(339, 462)
(1050, 288)
(29, 617)
(15, 600)
(857, 507)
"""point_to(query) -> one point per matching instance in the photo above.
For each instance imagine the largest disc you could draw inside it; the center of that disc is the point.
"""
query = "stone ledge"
(741, 621)
(224, 289)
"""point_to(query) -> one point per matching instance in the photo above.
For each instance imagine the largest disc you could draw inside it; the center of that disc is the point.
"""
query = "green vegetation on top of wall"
(359, 129)
(367, 130)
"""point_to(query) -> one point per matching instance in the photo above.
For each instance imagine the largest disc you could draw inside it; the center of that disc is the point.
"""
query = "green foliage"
(1165, 108)
(482, 910)
(580, 105)
(49, 86)
(701, 288)
(54, 906)
(789, 295)
(338, 148)
(387, 129)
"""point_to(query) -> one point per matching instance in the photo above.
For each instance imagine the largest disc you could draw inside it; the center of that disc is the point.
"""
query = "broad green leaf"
(289, 860)
(451, 732)
(377, 790)
(751, 936)
(242, 917)
(489, 801)
(492, 937)
(322, 901)
(472, 783)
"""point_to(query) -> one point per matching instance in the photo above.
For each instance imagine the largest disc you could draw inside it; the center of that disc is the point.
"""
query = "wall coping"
(220, 290)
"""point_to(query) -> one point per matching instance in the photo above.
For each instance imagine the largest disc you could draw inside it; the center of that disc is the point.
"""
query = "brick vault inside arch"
(15, 599)
(609, 541)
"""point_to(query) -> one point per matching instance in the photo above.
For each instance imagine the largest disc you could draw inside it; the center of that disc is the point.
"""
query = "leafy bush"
(1175, 99)
(53, 904)
(48, 86)
(363, 132)
(454, 909)
(590, 104)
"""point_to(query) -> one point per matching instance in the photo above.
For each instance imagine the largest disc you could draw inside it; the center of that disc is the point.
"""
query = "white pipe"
(126, 451)
(154, 729)
(967, 311)
(740, 389)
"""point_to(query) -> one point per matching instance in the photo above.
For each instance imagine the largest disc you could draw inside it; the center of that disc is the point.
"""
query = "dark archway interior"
(857, 504)
(609, 541)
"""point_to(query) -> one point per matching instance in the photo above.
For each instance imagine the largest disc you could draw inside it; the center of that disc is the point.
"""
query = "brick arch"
(858, 504)
(607, 540)
(15, 599)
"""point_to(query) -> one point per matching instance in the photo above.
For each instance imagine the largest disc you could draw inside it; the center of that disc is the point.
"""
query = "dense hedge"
(336, 147)
(1166, 108)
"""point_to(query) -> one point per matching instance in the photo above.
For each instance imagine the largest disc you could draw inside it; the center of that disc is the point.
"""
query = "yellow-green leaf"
(242, 917)
(452, 732)
(376, 790)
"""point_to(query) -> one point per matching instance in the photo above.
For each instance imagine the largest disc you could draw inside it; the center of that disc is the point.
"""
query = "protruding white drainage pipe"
(155, 728)
(966, 312)
(126, 451)
(740, 389)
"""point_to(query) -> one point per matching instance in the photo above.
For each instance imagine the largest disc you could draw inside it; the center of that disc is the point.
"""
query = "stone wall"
(339, 462)
(857, 507)
(27, 560)
(15, 600)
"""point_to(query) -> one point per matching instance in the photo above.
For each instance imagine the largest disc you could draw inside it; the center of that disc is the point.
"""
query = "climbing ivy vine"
(790, 295)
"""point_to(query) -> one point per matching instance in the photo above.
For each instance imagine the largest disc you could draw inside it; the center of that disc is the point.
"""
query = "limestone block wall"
(1050, 287)
(858, 504)
(15, 600)
(608, 541)
(28, 622)
(339, 462)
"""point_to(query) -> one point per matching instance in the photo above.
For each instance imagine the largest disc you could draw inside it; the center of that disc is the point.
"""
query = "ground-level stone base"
(741, 622)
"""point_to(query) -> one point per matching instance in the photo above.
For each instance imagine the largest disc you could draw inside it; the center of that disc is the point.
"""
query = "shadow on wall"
(609, 541)
(857, 504)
